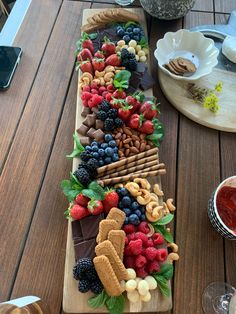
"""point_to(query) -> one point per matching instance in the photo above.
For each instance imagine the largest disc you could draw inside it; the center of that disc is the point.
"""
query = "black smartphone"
(9, 59)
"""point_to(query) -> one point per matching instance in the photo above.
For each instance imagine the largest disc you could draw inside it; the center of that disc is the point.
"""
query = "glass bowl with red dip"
(222, 208)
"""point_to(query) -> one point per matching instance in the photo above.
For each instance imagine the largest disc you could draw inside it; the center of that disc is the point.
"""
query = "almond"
(142, 147)
(121, 144)
(135, 138)
(120, 130)
(137, 144)
(126, 145)
(142, 136)
(127, 152)
(131, 144)
(134, 150)
(127, 131)
(120, 153)
(117, 142)
(118, 135)
(148, 147)
(127, 141)
(123, 136)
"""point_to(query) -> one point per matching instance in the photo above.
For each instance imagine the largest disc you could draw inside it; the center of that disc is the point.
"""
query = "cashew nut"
(166, 209)
(109, 68)
(102, 82)
(118, 185)
(151, 205)
(120, 68)
(170, 205)
(110, 82)
(173, 246)
(168, 229)
(154, 197)
(117, 71)
(143, 183)
(150, 217)
(87, 74)
(133, 188)
(152, 230)
(172, 257)
(85, 80)
(96, 81)
(144, 198)
(157, 190)
(157, 212)
(99, 74)
(108, 76)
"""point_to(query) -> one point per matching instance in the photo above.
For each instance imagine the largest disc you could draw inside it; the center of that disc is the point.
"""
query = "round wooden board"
(176, 92)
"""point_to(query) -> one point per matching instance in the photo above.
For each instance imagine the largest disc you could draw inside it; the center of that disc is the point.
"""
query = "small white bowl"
(191, 45)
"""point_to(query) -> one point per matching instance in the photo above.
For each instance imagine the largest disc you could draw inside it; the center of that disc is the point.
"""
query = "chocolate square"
(76, 229)
(89, 226)
(85, 249)
(146, 81)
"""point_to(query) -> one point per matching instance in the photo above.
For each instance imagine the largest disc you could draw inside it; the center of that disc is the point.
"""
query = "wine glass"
(220, 298)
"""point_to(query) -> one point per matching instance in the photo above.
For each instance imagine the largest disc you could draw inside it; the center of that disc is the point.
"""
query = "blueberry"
(127, 211)
(101, 163)
(101, 152)
(94, 144)
(115, 157)
(112, 143)
(104, 145)
(136, 30)
(135, 205)
(108, 137)
(109, 151)
(143, 217)
(136, 37)
(138, 213)
(126, 221)
(107, 160)
(120, 205)
(88, 148)
(94, 148)
(118, 190)
(119, 27)
(126, 38)
(95, 155)
(120, 32)
(142, 209)
(134, 220)
(129, 30)
(124, 192)
(126, 201)
(115, 149)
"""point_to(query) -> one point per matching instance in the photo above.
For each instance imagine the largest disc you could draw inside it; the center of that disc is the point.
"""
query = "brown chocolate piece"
(90, 132)
(95, 110)
(146, 81)
(85, 140)
(85, 112)
(89, 226)
(85, 249)
(83, 129)
(98, 135)
(76, 229)
(90, 120)
(99, 124)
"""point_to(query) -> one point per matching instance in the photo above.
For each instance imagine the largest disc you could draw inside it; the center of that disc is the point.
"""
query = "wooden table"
(36, 127)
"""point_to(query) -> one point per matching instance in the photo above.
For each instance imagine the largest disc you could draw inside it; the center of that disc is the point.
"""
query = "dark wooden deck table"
(37, 117)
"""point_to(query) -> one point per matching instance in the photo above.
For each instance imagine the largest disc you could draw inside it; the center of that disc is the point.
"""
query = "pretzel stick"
(144, 162)
(143, 168)
(131, 176)
(127, 160)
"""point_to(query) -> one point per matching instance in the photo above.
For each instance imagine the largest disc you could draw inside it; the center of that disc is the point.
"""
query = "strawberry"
(108, 47)
(149, 109)
(111, 200)
(130, 100)
(147, 127)
(98, 64)
(86, 66)
(78, 212)
(82, 200)
(119, 93)
(105, 93)
(109, 97)
(95, 207)
(84, 55)
(117, 103)
(124, 112)
(113, 60)
(99, 54)
(134, 121)
(95, 100)
(87, 43)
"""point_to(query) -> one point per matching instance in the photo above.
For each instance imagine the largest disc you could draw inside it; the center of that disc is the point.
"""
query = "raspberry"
(126, 241)
(142, 236)
(131, 236)
(86, 88)
(153, 267)
(94, 85)
(129, 262)
(143, 227)
(140, 261)
(158, 239)
(161, 255)
(135, 246)
(102, 89)
(94, 91)
(150, 253)
(127, 251)
(141, 272)
(86, 96)
(129, 228)
(149, 243)
(109, 96)
(95, 100)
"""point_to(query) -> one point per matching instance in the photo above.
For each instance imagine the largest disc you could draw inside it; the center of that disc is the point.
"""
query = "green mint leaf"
(167, 271)
(163, 285)
(130, 23)
(78, 148)
(93, 36)
(121, 79)
(115, 305)
(165, 220)
(89, 194)
(94, 191)
(166, 234)
(74, 153)
(157, 136)
(99, 300)
(70, 190)
(143, 42)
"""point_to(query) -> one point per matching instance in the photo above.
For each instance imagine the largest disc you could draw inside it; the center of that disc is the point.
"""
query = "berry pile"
(87, 169)
(133, 31)
(135, 213)
(85, 272)
(128, 60)
(109, 116)
(142, 252)
(88, 92)
(100, 153)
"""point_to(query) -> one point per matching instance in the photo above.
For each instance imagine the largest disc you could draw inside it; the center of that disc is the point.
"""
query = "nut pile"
(130, 142)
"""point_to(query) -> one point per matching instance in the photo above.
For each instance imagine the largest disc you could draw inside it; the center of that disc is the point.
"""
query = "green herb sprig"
(158, 134)
(159, 226)
(114, 305)
(162, 278)
(78, 148)
(121, 79)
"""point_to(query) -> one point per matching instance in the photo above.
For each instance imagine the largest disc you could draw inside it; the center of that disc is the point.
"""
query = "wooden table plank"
(26, 164)
(33, 41)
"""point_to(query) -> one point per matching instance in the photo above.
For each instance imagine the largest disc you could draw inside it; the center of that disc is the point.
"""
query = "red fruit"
(108, 47)
(111, 200)
(149, 243)
(82, 200)
(99, 54)
(136, 107)
(86, 66)
(147, 127)
(140, 261)
(119, 94)
(161, 255)
(108, 97)
(94, 91)
(98, 64)
(129, 262)
(110, 88)
(150, 253)
(153, 267)
(104, 93)
(113, 60)
(130, 100)
(95, 100)
(129, 228)
(141, 272)
(95, 207)
(142, 236)
(86, 88)
(124, 112)
(135, 246)
(94, 85)
(127, 251)
(87, 43)
(86, 96)
(149, 109)
(143, 227)
(126, 241)
(102, 89)
(158, 239)
(84, 55)
(78, 212)
(134, 121)
(131, 236)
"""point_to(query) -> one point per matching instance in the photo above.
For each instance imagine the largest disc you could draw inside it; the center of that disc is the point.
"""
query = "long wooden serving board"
(73, 300)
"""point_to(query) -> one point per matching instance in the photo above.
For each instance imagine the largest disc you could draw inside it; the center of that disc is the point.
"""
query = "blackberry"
(96, 287)
(102, 115)
(125, 63)
(109, 124)
(83, 176)
(124, 54)
(104, 106)
(85, 264)
(91, 274)
(112, 113)
(85, 156)
(133, 64)
(76, 272)
(87, 167)
(93, 163)
(84, 286)
(118, 122)
(132, 56)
